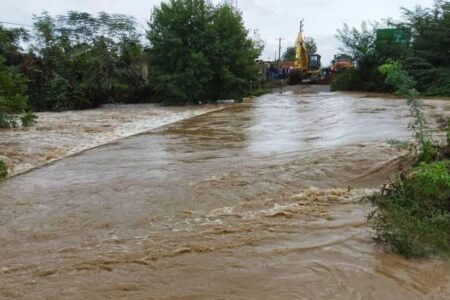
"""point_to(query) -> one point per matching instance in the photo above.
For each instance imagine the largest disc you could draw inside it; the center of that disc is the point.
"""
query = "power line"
(15, 24)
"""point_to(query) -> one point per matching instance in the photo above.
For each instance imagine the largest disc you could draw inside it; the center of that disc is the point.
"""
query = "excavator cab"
(314, 68)
(314, 62)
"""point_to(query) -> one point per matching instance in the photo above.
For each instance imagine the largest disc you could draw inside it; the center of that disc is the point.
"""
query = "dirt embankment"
(59, 135)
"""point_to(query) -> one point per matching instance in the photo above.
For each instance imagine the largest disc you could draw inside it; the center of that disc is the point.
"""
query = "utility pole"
(279, 48)
(279, 62)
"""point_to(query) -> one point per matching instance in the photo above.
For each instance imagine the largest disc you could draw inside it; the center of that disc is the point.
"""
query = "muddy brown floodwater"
(251, 202)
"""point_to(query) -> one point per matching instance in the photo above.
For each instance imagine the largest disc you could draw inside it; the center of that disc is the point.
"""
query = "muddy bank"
(59, 135)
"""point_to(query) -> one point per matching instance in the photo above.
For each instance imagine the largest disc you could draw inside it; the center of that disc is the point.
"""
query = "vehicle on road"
(306, 65)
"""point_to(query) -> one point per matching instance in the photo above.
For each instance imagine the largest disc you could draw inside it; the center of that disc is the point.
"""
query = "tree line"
(424, 54)
(193, 51)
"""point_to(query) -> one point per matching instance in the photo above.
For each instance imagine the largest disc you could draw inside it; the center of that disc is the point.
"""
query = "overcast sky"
(272, 18)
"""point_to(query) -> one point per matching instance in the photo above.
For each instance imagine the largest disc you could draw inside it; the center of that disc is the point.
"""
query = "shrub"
(413, 217)
(348, 80)
(3, 170)
(28, 119)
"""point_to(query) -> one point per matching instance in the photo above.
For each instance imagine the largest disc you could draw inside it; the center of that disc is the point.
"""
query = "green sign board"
(394, 35)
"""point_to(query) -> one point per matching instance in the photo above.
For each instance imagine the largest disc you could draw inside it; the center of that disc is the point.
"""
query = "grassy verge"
(412, 216)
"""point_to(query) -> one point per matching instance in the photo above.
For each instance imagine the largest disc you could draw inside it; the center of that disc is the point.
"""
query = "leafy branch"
(404, 84)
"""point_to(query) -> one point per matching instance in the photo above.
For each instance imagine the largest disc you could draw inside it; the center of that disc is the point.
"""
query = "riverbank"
(59, 135)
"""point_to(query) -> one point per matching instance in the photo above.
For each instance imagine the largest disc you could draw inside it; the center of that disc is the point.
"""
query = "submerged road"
(258, 201)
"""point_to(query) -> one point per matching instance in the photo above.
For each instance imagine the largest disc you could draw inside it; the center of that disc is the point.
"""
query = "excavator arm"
(306, 65)
(301, 54)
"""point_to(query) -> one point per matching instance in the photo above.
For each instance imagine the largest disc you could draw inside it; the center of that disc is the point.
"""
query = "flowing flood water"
(261, 200)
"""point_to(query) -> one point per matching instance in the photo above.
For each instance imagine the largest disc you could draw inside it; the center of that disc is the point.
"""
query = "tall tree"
(12, 95)
(200, 52)
(425, 57)
(87, 60)
(357, 43)
(429, 60)
(232, 55)
(311, 45)
(289, 54)
(13, 100)
(179, 34)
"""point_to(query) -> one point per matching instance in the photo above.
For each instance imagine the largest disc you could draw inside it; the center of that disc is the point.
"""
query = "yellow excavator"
(306, 66)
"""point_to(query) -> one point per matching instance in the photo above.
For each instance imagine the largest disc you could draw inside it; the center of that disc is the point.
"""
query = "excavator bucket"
(295, 76)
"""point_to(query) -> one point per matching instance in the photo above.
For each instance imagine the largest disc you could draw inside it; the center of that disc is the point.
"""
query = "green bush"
(348, 80)
(431, 181)
(413, 217)
(441, 85)
(7, 120)
(3, 170)
(28, 119)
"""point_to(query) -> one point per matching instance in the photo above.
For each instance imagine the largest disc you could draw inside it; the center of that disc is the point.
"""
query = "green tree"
(311, 46)
(10, 44)
(179, 34)
(425, 57)
(358, 43)
(232, 56)
(289, 54)
(12, 98)
(87, 60)
(362, 47)
(429, 60)
(13, 101)
(200, 52)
